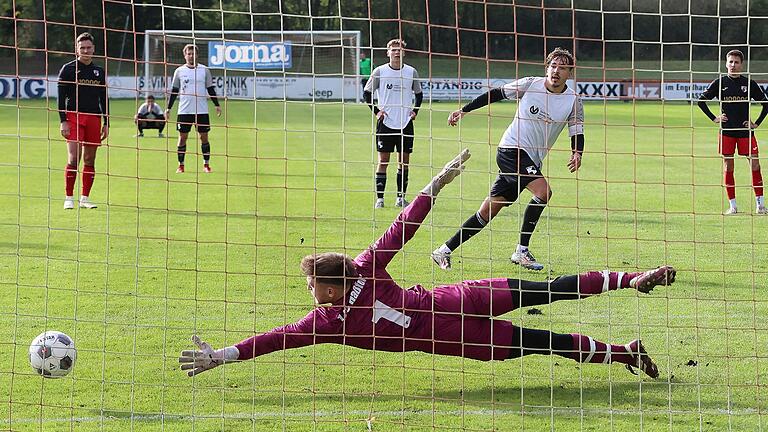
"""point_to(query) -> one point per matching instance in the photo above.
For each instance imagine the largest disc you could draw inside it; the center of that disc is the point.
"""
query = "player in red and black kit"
(82, 103)
(361, 306)
(734, 91)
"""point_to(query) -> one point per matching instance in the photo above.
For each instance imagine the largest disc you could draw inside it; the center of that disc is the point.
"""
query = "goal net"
(293, 171)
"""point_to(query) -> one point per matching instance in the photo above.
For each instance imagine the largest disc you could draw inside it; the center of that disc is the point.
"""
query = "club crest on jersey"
(534, 110)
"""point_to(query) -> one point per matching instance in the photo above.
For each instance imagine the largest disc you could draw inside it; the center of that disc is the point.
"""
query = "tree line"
(502, 30)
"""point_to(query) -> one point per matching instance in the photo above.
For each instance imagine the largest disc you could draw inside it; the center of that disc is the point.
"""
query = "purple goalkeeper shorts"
(463, 320)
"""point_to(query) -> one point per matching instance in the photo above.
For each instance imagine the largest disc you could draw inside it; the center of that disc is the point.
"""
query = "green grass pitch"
(166, 256)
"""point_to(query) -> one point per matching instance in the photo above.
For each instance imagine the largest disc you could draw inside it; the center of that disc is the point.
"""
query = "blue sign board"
(249, 55)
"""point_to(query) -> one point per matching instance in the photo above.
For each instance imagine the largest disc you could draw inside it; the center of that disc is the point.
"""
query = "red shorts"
(84, 128)
(746, 146)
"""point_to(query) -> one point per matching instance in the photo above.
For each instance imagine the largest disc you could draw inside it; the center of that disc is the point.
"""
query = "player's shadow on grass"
(570, 395)
(628, 397)
(27, 245)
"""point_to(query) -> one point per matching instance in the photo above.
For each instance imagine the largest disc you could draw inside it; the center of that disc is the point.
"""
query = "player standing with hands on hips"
(82, 103)
(399, 97)
(193, 84)
(545, 106)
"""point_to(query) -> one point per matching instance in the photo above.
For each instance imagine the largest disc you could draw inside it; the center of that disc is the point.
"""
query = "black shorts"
(389, 140)
(151, 121)
(185, 122)
(516, 171)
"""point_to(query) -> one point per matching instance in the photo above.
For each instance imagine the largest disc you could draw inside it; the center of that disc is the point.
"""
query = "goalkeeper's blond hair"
(332, 268)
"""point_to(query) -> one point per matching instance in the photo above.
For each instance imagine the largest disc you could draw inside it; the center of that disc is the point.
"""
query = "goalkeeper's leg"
(583, 349)
(572, 287)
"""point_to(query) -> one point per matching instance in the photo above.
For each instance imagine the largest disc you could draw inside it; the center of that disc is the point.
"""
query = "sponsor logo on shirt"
(540, 115)
(744, 89)
(531, 169)
(250, 55)
(356, 288)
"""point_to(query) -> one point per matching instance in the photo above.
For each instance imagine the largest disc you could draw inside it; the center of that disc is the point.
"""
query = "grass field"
(166, 256)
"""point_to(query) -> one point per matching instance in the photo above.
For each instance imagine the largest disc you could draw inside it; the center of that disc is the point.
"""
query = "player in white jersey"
(545, 106)
(193, 84)
(399, 97)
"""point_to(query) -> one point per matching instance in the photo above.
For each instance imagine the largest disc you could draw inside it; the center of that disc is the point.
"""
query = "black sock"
(530, 219)
(527, 341)
(160, 129)
(181, 152)
(206, 149)
(472, 226)
(531, 293)
(402, 182)
(381, 184)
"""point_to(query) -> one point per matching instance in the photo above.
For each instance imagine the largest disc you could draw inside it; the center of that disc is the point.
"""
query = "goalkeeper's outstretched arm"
(314, 328)
(410, 218)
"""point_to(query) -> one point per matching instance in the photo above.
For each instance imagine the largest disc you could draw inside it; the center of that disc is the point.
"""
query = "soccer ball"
(52, 354)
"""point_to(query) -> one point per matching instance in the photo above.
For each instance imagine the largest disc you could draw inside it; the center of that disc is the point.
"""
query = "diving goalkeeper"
(359, 304)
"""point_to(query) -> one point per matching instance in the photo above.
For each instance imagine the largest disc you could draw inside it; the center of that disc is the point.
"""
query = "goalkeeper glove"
(205, 358)
(450, 171)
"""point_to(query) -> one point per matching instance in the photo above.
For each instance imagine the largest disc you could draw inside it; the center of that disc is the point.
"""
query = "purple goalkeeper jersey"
(378, 314)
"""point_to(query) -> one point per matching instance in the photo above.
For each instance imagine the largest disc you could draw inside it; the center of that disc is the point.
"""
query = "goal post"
(254, 65)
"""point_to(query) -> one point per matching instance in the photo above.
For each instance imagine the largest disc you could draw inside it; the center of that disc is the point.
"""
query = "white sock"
(69, 197)
(732, 202)
(522, 249)
(444, 249)
(760, 201)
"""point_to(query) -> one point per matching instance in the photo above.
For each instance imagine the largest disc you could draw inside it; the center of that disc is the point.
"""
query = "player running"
(82, 103)
(361, 306)
(734, 91)
(193, 83)
(545, 106)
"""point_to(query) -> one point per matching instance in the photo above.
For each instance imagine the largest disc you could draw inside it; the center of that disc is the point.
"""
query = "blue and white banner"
(250, 55)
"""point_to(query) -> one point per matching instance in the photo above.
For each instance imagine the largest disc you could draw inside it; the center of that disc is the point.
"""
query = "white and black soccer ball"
(52, 354)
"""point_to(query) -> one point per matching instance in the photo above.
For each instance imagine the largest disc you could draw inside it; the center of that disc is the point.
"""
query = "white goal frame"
(355, 34)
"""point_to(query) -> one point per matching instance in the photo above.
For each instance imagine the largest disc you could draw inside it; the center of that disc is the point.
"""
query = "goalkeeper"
(361, 306)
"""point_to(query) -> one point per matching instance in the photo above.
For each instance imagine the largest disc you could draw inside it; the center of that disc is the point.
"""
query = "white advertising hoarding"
(337, 88)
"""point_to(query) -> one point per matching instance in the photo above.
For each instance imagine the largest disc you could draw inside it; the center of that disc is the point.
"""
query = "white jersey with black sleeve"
(541, 116)
(192, 84)
(397, 90)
